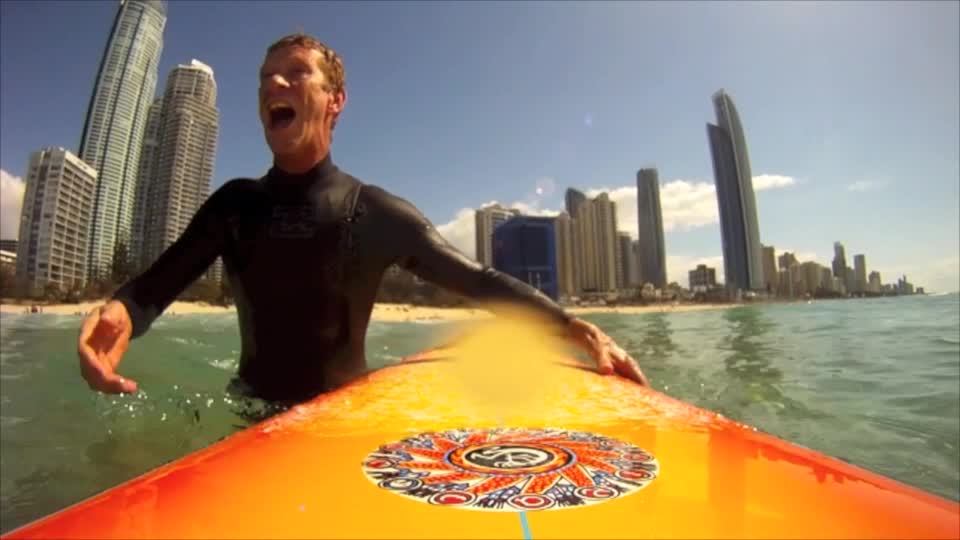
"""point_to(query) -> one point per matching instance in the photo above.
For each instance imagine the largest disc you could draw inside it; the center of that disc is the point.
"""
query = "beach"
(381, 312)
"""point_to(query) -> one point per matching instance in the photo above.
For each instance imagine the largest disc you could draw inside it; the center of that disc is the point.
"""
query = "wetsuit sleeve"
(147, 295)
(421, 250)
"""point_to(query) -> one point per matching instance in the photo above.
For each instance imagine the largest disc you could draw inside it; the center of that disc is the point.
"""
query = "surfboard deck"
(414, 451)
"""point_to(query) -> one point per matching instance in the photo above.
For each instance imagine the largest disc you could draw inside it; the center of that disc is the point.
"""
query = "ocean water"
(875, 382)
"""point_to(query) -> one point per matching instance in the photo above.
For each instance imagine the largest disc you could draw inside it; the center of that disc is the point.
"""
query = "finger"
(120, 385)
(100, 379)
(89, 324)
(604, 362)
(632, 371)
(91, 370)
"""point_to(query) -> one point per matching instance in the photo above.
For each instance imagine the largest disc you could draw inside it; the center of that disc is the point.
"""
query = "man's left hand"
(610, 358)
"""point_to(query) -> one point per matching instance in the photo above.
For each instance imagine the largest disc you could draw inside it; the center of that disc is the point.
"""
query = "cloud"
(771, 181)
(684, 204)
(460, 232)
(11, 199)
(863, 185)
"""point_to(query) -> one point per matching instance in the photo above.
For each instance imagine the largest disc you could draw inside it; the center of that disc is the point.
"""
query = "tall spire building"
(116, 119)
(739, 228)
(652, 256)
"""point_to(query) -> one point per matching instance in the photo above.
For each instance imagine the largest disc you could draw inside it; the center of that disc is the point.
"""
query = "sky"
(851, 110)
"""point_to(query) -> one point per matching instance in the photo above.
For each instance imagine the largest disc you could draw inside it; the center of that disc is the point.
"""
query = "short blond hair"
(332, 65)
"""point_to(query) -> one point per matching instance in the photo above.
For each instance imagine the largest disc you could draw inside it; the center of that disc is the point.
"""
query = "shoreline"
(381, 312)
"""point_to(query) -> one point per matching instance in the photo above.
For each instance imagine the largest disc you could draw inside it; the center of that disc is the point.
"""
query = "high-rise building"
(145, 176)
(811, 275)
(573, 199)
(860, 273)
(787, 260)
(826, 279)
(702, 278)
(839, 261)
(577, 208)
(487, 219)
(183, 158)
(627, 261)
(653, 258)
(635, 267)
(740, 233)
(55, 220)
(116, 120)
(605, 215)
(594, 241)
(566, 278)
(850, 280)
(770, 277)
(875, 284)
(525, 248)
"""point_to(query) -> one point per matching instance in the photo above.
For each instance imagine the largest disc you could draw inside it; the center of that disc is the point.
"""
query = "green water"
(875, 382)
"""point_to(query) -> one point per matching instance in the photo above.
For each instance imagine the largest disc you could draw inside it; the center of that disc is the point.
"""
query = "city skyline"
(870, 208)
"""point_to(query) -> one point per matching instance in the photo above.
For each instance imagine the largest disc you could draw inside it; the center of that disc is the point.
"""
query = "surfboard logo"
(511, 469)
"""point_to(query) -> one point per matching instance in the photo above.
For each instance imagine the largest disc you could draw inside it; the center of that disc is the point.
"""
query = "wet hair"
(332, 65)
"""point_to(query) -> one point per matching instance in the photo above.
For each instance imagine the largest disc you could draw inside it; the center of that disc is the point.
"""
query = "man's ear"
(338, 102)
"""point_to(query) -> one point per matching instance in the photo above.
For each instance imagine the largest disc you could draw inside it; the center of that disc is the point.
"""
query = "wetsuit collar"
(321, 170)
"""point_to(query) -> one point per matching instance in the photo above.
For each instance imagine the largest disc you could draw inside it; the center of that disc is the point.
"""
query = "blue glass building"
(525, 247)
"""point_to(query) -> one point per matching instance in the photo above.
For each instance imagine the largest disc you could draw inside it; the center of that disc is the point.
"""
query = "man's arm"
(147, 295)
(424, 252)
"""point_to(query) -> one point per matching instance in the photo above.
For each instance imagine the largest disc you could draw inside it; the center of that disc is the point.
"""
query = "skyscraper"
(183, 157)
(566, 279)
(770, 277)
(525, 248)
(576, 205)
(739, 229)
(116, 120)
(653, 265)
(874, 282)
(605, 230)
(146, 174)
(627, 261)
(486, 220)
(596, 255)
(860, 273)
(55, 220)
(839, 261)
(787, 260)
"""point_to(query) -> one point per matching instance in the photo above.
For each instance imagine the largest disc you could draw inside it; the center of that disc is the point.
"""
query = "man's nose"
(277, 81)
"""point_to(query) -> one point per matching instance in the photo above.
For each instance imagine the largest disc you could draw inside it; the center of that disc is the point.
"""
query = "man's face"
(296, 106)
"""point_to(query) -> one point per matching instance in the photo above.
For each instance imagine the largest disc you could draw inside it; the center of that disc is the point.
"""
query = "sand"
(381, 312)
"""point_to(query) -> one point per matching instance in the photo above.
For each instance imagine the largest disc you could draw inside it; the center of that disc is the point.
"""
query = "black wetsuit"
(305, 255)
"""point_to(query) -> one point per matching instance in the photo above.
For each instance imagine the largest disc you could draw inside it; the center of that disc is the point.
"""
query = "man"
(305, 248)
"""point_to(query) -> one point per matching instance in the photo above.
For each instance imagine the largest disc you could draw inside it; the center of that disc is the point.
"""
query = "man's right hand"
(104, 337)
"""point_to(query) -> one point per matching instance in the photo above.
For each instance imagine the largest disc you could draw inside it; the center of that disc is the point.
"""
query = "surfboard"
(420, 450)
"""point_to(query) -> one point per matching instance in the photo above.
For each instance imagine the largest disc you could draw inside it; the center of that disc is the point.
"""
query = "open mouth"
(281, 116)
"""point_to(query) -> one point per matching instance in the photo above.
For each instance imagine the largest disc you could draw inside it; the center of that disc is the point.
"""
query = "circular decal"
(511, 469)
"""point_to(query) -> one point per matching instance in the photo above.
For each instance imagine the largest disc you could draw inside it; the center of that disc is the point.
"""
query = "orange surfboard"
(421, 450)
